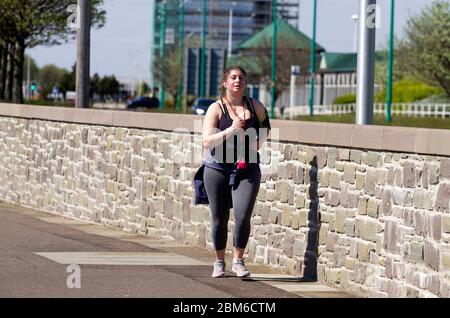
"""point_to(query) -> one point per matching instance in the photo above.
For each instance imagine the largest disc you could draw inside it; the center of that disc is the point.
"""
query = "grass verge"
(404, 121)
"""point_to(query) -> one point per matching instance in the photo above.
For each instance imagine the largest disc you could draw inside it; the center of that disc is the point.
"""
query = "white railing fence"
(401, 109)
(318, 110)
(327, 88)
(416, 110)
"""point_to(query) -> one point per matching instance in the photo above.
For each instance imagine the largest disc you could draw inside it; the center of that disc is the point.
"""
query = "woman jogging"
(234, 128)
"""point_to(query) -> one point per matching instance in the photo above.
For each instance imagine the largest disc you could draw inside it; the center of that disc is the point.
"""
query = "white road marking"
(120, 258)
(304, 287)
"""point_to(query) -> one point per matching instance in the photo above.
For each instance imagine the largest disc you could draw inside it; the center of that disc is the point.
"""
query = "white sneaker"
(219, 269)
(240, 269)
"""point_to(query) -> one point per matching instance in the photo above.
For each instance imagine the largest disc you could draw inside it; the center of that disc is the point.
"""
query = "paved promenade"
(41, 255)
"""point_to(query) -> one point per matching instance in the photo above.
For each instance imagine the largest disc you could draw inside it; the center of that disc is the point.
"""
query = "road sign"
(170, 36)
(295, 69)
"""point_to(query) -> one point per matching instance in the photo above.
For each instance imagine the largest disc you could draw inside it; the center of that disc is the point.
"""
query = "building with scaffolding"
(249, 17)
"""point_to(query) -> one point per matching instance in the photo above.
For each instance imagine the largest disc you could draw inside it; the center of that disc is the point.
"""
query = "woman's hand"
(238, 123)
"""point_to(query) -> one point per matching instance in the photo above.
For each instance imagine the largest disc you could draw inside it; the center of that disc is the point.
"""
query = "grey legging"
(243, 196)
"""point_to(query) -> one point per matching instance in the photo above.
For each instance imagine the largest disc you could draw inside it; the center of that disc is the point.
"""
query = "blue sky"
(121, 47)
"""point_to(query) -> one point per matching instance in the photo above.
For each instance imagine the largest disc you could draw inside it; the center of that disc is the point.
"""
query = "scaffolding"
(249, 17)
(288, 10)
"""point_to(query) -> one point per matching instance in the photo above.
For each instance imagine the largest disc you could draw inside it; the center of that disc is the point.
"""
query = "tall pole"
(203, 53)
(161, 52)
(390, 63)
(366, 64)
(274, 59)
(152, 44)
(313, 62)
(295, 71)
(180, 83)
(83, 54)
(355, 32)
(230, 30)
(28, 77)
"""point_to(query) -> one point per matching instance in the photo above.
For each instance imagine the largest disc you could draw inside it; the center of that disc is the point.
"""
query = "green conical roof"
(339, 62)
(333, 62)
(284, 30)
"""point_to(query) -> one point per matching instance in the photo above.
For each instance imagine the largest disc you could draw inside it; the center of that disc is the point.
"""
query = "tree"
(104, 87)
(425, 51)
(381, 66)
(108, 87)
(3, 66)
(28, 23)
(168, 71)
(67, 82)
(7, 49)
(94, 86)
(143, 89)
(50, 76)
(34, 68)
(258, 63)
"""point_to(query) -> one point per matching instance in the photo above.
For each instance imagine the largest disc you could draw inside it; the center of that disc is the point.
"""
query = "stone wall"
(374, 222)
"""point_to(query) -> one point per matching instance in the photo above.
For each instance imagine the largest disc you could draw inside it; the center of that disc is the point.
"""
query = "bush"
(168, 103)
(442, 98)
(407, 91)
(190, 100)
(345, 99)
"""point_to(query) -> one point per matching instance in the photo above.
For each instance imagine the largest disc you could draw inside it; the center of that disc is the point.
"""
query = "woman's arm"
(210, 137)
(264, 122)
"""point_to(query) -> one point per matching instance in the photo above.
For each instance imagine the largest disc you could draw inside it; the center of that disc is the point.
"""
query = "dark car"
(143, 101)
(201, 105)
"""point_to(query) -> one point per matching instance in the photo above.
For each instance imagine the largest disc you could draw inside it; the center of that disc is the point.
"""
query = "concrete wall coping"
(384, 138)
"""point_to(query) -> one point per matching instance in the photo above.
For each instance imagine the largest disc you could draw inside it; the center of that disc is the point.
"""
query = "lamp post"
(180, 83)
(83, 54)
(154, 14)
(203, 53)
(230, 30)
(390, 63)
(295, 71)
(313, 61)
(366, 63)
(355, 18)
(28, 76)
(274, 59)
(161, 51)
